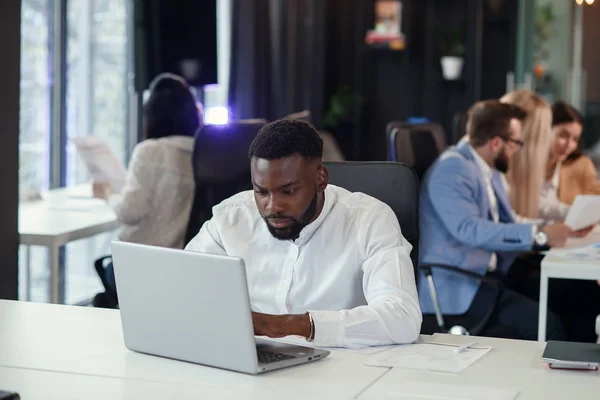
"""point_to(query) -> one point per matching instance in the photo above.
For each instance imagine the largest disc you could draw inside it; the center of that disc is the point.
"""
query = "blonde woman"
(568, 172)
(526, 172)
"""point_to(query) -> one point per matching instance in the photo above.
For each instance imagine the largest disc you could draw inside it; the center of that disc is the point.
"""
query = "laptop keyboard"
(267, 357)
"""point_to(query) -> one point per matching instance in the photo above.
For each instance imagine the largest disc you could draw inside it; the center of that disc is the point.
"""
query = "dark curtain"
(277, 58)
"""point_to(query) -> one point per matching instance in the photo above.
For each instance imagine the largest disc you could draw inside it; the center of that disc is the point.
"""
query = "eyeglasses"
(519, 143)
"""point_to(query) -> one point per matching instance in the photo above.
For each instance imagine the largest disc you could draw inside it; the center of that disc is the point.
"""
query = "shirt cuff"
(329, 328)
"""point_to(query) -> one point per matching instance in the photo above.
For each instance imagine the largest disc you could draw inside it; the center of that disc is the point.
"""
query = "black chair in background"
(397, 185)
(416, 145)
(221, 167)
(459, 127)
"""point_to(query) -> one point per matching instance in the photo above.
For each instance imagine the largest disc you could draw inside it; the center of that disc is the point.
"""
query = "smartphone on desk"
(580, 366)
(9, 395)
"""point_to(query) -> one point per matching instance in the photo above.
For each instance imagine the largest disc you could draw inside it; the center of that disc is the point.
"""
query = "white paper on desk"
(101, 161)
(439, 391)
(429, 357)
(586, 253)
(584, 212)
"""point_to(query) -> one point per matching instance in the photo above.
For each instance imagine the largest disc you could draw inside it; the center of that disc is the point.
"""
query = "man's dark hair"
(283, 138)
(491, 118)
(171, 109)
(563, 113)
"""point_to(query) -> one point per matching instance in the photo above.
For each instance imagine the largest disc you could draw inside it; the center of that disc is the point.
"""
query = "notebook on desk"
(572, 355)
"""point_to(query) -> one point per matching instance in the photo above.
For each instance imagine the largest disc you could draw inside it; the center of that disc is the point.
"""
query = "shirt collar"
(486, 170)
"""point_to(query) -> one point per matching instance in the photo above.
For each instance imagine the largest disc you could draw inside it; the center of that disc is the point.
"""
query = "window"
(37, 57)
(35, 109)
(98, 69)
(97, 72)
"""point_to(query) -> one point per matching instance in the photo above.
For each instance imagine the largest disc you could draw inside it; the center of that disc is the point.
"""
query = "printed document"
(584, 212)
(429, 356)
(101, 162)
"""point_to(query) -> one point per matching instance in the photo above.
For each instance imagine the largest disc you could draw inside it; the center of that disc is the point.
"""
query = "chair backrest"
(393, 183)
(416, 145)
(221, 167)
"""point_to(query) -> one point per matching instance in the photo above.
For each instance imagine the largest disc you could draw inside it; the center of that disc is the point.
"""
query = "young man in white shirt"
(321, 263)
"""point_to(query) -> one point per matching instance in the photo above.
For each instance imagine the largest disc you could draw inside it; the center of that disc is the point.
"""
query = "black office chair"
(416, 145)
(221, 167)
(459, 127)
(398, 186)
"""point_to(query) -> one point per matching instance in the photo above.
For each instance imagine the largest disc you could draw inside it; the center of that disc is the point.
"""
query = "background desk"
(559, 267)
(62, 216)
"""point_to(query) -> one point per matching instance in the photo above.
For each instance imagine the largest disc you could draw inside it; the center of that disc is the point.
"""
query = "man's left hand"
(277, 326)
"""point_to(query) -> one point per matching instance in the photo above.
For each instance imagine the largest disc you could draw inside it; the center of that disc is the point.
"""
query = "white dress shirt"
(350, 268)
(487, 173)
(550, 206)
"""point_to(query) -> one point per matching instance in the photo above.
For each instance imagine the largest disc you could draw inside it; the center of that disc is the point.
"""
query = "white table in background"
(560, 267)
(83, 349)
(511, 364)
(62, 216)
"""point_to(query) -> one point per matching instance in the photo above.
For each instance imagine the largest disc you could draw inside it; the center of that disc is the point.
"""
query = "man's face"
(510, 146)
(286, 191)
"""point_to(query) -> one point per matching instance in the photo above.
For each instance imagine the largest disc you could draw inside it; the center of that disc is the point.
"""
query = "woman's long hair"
(563, 113)
(527, 168)
(172, 108)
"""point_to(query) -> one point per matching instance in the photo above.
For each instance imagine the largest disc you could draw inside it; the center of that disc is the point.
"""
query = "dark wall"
(10, 26)
(397, 85)
(168, 31)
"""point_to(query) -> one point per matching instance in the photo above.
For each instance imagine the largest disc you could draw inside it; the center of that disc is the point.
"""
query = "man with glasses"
(466, 221)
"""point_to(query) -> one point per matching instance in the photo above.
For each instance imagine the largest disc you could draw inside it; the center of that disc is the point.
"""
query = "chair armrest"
(426, 268)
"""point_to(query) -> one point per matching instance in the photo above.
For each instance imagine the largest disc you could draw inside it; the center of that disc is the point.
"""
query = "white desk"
(88, 341)
(558, 267)
(48, 385)
(511, 364)
(65, 352)
(62, 216)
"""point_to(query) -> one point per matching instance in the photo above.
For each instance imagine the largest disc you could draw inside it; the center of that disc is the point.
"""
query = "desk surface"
(64, 215)
(89, 341)
(511, 364)
(560, 267)
(48, 351)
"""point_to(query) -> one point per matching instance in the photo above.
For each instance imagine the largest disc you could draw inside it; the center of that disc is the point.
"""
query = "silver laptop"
(194, 307)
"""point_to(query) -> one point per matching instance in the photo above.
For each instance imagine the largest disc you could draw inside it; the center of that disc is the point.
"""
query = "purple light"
(216, 116)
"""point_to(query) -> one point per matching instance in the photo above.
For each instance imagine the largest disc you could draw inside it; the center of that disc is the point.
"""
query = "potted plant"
(453, 51)
(543, 32)
(345, 109)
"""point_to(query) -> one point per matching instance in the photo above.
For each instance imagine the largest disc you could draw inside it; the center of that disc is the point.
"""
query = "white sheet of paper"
(427, 356)
(584, 212)
(440, 391)
(586, 253)
(101, 161)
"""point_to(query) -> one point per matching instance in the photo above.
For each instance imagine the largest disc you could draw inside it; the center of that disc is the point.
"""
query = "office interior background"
(74, 68)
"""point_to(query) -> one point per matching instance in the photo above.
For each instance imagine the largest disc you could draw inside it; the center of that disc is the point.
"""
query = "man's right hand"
(557, 234)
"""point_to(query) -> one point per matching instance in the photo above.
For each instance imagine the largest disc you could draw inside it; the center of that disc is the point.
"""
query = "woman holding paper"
(568, 172)
(155, 203)
(154, 206)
